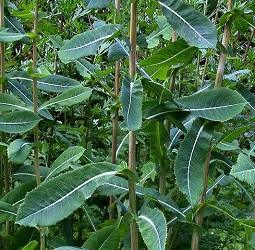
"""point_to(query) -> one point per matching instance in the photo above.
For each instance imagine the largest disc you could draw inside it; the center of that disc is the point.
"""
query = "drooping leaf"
(116, 52)
(97, 4)
(18, 151)
(244, 169)
(118, 185)
(7, 212)
(31, 245)
(21, 91)
(217, 105)
(177, 53)
(57, 198)
(153, 228)
(86, 44)
(14, 26)
(68, 248)
(68, 98)
(18, 122)
(85, 68)
(62, 162)
(131, 99)
(10, 102)
(191, 159)
(6, 36)
(190, 24)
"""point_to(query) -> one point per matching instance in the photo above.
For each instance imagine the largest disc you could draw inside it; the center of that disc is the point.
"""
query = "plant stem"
(199, 215)
(249, 45)
(223, 54)
(132, 137)
(3, 137)
(115, 119)
(35, 109)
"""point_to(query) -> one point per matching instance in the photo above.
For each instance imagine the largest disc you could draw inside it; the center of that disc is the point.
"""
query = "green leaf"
(149, 172)
(153, 228)
(7, 212)
(18, 122)
(108, 237)
(6, 36)
(244, 169)
(98, 4)
(190, 162)
(85, 68)
(190, 24)
(116, 52)
(217, 105)
(9, 102)
(132, 99)
(164, 30)
(63, 161)
(57, 83)
(31, 245)
(118, 185)
(177, 53)
(68, 248)
(248, 96)
(18, 151)
(68, 98)
(59, 197)
(86, 44)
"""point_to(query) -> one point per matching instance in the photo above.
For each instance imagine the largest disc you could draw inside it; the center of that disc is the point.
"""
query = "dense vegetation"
(127, 124)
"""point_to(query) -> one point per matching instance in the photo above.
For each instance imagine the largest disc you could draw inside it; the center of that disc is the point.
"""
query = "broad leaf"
(177, 53)
(59, 197)
(63, 161)
(21, 91)
(18, 151)
(85, 68)
(248, 96)
(6, 36)
(31, 245)
(9, 102)
(108, 237)
(153, 228)
(244, 169)
(190, 24)
(18, 122)
(117, 185)
(86, 44)
(217, 105)
(116, 52)
(7, 212)
(97, 4)
(68, 98)
(191, 159)
(131, 99)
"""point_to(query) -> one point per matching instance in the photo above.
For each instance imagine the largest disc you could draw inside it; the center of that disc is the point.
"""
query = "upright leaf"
(131, 99)
(190, 24)
(18, 122)
(153, 228)
(217, 105)
(244, 169)
(59, 197)
(190, 162)
(68, 98)
(63, 161)
(86, 44)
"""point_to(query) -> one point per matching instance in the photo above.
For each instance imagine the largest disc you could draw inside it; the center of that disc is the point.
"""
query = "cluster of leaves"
(181, 123)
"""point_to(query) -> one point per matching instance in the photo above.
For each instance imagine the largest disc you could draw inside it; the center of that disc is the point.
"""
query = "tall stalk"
(4, 159)
(223, 54)
(115, 119)
(132, 137)
(35, 109)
